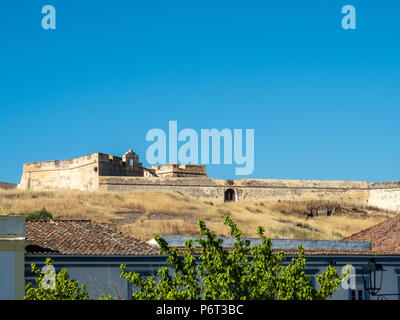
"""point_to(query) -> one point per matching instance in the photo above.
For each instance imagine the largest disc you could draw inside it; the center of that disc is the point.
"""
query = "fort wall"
(385, 195)
(110, 173)
(83, 173)
(254, 189)
(115, 166)
(185, 170)
(6, 185)
(78, 173)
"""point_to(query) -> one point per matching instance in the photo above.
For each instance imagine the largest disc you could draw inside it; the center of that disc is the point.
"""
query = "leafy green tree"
(240, 273)
(54, 286)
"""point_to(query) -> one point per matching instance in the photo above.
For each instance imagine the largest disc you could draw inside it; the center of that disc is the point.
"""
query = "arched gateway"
(229, 195)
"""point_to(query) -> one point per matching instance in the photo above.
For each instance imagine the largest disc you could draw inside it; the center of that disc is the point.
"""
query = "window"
(358, 292)
(357, 295)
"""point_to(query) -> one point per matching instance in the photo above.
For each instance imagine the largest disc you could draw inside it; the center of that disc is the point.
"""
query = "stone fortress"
(105, 172)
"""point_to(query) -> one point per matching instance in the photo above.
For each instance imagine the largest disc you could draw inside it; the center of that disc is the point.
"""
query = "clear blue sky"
(323, 101)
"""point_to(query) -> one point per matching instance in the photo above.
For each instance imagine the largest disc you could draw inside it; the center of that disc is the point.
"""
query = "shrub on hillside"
(41, 214)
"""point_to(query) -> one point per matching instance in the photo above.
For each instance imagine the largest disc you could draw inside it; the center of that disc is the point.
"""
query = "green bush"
(337, 234)
(42, 214)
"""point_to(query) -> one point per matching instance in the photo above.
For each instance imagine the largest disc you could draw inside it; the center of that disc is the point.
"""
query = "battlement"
(83, 172)
(185, 170)
(78, 173)
(128, 165)
(60, 164)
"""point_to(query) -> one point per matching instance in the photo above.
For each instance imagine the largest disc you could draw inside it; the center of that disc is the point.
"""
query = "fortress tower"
(84, 173)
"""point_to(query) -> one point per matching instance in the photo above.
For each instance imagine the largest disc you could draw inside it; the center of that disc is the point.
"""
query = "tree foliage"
(54, 286)
(241, 273)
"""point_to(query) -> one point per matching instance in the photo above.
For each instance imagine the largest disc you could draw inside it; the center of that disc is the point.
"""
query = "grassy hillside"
(143, 214)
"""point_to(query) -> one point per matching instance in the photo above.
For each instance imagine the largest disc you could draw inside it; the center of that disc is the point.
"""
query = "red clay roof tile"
(384, 237)
(81, 237)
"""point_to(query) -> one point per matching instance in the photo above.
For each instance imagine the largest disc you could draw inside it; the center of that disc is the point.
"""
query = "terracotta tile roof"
(384, 237)
(333, 252)
(81, 237)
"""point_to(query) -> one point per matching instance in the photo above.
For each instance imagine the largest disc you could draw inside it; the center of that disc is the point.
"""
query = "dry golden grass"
(143, 214)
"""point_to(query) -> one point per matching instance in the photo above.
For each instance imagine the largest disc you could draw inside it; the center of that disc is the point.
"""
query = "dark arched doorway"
(229, 195)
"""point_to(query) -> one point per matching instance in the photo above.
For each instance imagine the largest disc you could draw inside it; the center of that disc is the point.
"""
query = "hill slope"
(143, 214)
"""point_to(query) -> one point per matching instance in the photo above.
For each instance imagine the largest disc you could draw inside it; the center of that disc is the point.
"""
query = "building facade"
(12, 254)
(93, 253)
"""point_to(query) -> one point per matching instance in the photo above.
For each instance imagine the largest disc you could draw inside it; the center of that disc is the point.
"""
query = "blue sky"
(323, 101)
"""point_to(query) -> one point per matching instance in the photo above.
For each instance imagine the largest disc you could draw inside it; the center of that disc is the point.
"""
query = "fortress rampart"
(6, 185)
(79, 173)
(110, 173)
(83, 173)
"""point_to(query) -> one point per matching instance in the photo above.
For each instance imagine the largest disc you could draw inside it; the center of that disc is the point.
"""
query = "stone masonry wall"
(114, 166)
(79, 173)
(385, 195)
(263, 189)
(185, 170)
(6, 185)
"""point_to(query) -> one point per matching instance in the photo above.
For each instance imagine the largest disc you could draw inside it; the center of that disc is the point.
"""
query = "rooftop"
(85, 237)
(81, 237)
(282, 244)
(384, 237)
